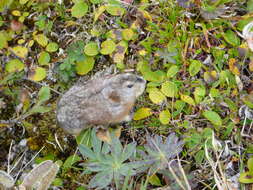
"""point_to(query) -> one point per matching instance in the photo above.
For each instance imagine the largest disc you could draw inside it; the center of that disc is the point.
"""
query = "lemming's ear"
(112, 96)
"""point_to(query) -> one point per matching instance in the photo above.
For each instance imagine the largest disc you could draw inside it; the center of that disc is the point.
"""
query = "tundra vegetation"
(192, 127)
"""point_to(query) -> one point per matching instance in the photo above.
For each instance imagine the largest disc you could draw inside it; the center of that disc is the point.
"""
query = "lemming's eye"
(130, 86)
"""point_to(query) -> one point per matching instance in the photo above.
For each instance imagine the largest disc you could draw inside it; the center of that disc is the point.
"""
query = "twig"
(9, 155)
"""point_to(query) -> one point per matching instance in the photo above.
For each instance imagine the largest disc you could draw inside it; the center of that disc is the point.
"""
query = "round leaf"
(41, 39)
(85, 66)
(20, 51)
(172, 71)
(169, 89)
(107, 47)
(213, 117)
(79, 9)
(246, 177)
(187, 99)
(14, 66)
(127, 34)
(142, 113)
(156, 96)
(164, 117)
(44, 58)
(91, 49)
(38, 74)
(115, 10)
(195, 67)
(52, 47)
(231, 38)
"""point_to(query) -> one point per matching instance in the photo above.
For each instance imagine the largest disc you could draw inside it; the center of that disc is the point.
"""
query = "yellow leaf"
(98, 12)
(232, 66)
(187, 99)
(164, 117)
(37, 74)
(142, 113)
(21, 41)
(146, 15)
(20, 51)
(16, 13)
(41, 39)
(156, 96)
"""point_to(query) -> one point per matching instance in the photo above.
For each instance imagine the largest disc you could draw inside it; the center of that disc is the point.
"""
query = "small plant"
(195, 143)
(110, 161)
(158, 153)
(247, 177)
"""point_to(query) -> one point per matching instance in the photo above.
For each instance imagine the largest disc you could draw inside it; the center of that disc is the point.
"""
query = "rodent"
(100, 101)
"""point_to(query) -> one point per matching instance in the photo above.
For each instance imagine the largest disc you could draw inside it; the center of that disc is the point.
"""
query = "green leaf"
(248, 100)
(128, 151)
(156, 96)
(231, 38)
(142, 113)
(44, 58)
(250, 6)
(41, 39)
(164, 117)
(22, 2)
(14, 65)
(199, 94)
(199, 156)
(58, 182)
(79, 9)
(86, 152)
(96, 143)
(169, 89)
(250, 165)
(115, 10)
(213, 117)
(187, 99)
(101, 180)
(157, 76)
(214, 92)
(38, 74)
(5, 4)
(85, 66)
(52, 47)
(3, 40)
(246, 177)
(39, 109)
(107, 47)
(44, 94)
(154, 180)
(172, 71)
(84, 138)
(195, 67)
(70, 161)
(91, 49)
